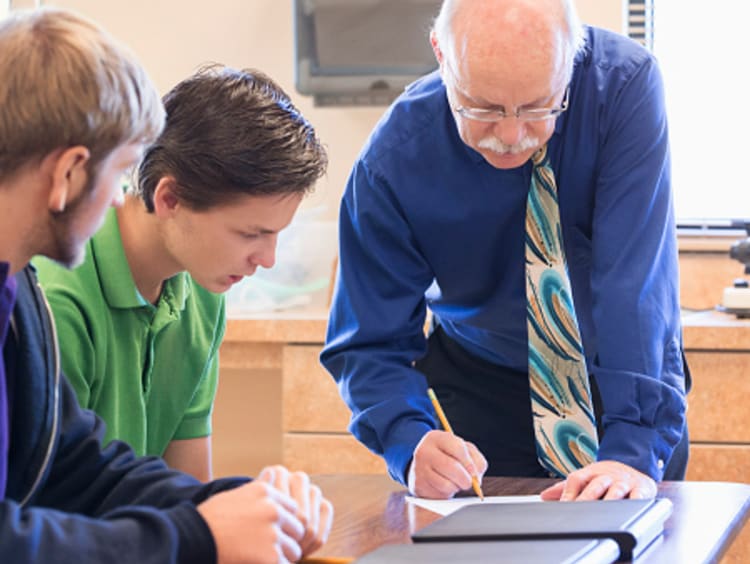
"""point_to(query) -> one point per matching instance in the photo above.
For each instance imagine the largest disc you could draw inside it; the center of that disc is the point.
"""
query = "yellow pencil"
(447, 427)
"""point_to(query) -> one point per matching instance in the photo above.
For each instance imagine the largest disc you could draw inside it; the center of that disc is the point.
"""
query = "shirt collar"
(4, 271)
(8, 287)
(117, 282)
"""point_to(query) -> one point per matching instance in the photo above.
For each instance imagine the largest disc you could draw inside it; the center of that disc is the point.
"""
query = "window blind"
(640, 22)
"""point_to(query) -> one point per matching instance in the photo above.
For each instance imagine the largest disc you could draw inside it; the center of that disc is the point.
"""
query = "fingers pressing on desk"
(253, 523)
(314, 511)
(443, 464)
(606, 479)
(280, 517)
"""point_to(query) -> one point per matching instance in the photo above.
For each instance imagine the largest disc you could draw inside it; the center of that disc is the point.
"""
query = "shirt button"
(660, 464)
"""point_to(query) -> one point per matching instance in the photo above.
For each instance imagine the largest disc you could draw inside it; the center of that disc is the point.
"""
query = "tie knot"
(539, 156)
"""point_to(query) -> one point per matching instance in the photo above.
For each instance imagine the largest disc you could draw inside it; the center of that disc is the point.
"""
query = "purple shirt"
(7, 299)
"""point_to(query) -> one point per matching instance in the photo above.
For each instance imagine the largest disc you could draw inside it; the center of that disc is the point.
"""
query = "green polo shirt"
(149, 371)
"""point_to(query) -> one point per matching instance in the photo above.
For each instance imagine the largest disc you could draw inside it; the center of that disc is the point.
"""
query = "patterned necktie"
(564, 423)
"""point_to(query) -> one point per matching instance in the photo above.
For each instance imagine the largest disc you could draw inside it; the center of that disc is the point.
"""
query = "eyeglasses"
(492, 115)
(531, 114)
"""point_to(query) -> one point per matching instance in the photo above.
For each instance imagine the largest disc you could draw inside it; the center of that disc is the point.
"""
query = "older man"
(522, 194)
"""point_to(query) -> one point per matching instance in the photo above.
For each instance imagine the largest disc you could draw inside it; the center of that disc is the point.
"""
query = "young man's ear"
(69, 177)
(165, 197)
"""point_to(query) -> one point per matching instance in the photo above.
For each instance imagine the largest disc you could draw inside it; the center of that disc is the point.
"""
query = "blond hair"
(64, 82)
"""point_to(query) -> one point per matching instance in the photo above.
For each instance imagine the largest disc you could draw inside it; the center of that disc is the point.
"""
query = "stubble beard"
(64, 246)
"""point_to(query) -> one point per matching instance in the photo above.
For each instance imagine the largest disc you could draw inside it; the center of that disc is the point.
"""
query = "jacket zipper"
(56, 400)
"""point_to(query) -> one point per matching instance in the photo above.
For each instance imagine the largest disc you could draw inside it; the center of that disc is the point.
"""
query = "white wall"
(603, 13)
(174, 37)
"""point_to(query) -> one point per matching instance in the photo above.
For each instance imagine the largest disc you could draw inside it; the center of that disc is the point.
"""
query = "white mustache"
(494, 144)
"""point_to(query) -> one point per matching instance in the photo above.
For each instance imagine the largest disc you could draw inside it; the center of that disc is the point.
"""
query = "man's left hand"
(606, 479)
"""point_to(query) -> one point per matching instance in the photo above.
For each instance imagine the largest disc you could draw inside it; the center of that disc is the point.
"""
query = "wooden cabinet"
(314, 419)
(717, 347)
(313, 433)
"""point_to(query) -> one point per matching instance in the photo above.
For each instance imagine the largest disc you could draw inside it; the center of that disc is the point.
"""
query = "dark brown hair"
(230, 133)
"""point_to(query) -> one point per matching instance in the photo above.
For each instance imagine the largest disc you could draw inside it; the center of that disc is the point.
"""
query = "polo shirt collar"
(117, 282)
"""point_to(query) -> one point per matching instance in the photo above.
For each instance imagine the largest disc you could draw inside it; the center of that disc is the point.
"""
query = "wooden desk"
(371, 512)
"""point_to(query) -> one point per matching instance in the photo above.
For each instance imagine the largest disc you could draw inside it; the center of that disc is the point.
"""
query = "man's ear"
(69, 176)
(165, 196)
(436, 48)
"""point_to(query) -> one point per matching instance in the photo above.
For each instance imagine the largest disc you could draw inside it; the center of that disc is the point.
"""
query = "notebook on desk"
(600, 551)
(632, 523)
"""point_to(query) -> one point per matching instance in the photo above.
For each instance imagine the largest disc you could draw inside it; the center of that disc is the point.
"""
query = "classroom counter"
(314, 432)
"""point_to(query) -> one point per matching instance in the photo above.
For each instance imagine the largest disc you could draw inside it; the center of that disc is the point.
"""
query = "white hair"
(574, 37)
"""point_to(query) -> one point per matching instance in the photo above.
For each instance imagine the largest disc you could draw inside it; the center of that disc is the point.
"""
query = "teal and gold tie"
(564, 423)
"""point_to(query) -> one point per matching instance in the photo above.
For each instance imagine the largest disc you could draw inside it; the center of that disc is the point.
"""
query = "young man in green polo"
(141, 320)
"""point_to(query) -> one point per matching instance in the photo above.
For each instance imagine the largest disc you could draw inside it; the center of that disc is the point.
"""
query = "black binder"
(601, 551)
(632, 523)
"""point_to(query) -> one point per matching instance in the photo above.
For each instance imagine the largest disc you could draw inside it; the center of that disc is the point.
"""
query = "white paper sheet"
(446, 506)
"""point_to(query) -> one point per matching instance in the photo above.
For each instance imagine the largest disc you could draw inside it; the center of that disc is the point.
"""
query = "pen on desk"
(447, 427)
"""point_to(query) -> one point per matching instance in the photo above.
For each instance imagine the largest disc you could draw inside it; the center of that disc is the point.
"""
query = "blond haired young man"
(76, 111)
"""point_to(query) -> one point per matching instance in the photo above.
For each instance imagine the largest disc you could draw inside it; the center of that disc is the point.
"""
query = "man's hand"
(606, 479)
(313, 510)
(443, 464)
(259, 522)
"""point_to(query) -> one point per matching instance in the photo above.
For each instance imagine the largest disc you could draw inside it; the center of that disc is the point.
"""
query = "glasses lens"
(477, 114)
(538, 115)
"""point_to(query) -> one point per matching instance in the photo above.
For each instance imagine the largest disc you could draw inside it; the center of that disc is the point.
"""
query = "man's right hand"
(259, 523)
(443, 464)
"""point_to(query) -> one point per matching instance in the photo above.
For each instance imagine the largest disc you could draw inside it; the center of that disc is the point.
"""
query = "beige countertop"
(711, 330)
(290, 326)
(714, 330)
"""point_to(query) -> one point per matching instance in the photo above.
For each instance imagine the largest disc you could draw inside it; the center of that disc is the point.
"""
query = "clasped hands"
(279, 517)
(443, 465)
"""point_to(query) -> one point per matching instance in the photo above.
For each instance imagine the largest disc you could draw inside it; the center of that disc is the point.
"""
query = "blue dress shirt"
(425, 221)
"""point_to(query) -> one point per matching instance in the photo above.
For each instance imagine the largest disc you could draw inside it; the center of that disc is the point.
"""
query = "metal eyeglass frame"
(495, 115)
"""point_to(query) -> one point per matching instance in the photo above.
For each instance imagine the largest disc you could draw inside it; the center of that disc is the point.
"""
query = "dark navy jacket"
(69, 500)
